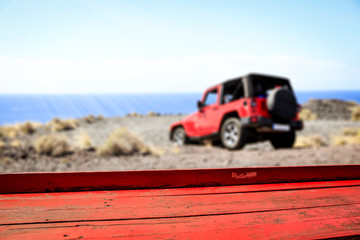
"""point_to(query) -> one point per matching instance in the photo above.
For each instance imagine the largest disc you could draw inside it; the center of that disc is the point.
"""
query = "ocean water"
(15, 108)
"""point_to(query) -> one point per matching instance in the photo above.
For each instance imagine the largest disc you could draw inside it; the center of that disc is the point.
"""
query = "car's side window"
(232, 92)
(239, 92)
(211, 97)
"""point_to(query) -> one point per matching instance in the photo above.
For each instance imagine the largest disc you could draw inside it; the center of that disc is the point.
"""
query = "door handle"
(215, 108)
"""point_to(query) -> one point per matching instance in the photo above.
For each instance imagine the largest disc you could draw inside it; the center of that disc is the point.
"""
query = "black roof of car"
(251, 76)
(254, 75)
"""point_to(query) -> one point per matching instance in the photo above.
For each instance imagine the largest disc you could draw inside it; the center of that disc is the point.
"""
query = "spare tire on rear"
(282, 105)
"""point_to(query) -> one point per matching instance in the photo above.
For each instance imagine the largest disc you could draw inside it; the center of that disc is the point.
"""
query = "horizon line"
(170, 92)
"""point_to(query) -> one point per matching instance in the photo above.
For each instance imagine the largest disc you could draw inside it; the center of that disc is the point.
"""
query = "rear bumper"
(267, 124)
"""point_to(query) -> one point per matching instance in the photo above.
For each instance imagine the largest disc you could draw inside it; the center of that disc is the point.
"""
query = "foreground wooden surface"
(226, 204)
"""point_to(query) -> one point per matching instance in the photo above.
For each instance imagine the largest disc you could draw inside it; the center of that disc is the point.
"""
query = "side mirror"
(200, 105)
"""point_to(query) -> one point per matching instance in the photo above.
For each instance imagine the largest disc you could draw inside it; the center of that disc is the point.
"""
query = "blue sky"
(175, 46)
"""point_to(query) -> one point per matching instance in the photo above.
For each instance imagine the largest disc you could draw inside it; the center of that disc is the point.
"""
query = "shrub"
(100, 117)
(152, 114)
(58, 125)
(339, 140)
(52, 145)
(156, 151)
(175, 149)
(354, 139)
(355, 113)
(8, 132)
(16, 144)
(91, 118)
(6, 160)
(123, 142)
(306, 114)
(84, 142)
(309, 141)
(134, 114)
(28, 127)
(350, 131)
(208, 143)
(349, 136)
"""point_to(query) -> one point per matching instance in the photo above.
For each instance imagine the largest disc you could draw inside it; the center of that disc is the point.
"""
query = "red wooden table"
(317, 202)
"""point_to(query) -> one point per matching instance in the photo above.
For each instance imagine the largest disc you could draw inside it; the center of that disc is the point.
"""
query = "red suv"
(242, 110)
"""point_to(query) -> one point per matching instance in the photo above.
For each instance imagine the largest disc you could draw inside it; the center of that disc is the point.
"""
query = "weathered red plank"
(85, 181)
(55, 210)
(180, 191)
(280, 202)
(309, 223)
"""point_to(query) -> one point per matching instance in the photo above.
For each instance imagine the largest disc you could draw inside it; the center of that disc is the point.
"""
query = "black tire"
(282, 105)
(283, 140)
(233, 135)
(179, 136)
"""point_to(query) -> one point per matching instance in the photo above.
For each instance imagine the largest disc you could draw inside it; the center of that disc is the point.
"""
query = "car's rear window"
(259, 86)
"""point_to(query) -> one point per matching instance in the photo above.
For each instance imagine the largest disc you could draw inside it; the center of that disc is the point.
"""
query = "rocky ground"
(153, 130)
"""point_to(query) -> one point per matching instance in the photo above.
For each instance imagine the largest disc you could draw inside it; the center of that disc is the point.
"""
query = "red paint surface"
(165, 179)
(274, 203)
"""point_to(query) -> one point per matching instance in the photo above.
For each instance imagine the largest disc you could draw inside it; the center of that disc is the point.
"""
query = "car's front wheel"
(283, 140)
(233, 135)
(179, 136)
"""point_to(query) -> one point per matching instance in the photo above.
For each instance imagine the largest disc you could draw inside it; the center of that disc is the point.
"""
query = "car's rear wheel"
(283, 140)
(233, 135)
(179, 136)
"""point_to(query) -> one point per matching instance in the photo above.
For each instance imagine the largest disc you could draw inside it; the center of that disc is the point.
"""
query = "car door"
(209, 113)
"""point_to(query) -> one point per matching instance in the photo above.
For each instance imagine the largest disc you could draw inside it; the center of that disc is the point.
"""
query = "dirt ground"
(154, 131)
(189, 157)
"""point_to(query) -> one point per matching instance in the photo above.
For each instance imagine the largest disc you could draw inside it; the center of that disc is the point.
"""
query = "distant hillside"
(330, 109)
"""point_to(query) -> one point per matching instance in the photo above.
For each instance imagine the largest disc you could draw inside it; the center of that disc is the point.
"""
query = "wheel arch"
(226, 116)
(173, 129)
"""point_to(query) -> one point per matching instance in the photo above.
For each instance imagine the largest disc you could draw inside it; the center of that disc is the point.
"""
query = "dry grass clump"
(354, 139)
(156, 151)
(28, 127)
(355, 113)
(6, 160)
(123, 142)
(12, 131)
(8, 132)
(349, 136)
(2, 144)
(175, 149)
(84, 142)
(350, 131)
(58, 125)
(311, 141)
(339, 140)
(208, 143)
(134, 114)
(306, 114)
(52, 145)
(152, 114)
(16, 144)
(91, 118)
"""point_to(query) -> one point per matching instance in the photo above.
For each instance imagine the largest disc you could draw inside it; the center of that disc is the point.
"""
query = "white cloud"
(22, 75)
